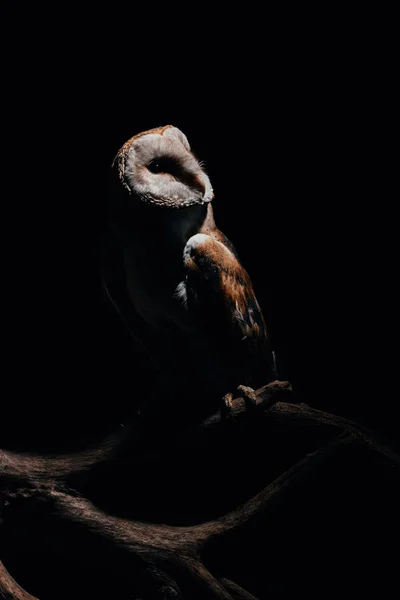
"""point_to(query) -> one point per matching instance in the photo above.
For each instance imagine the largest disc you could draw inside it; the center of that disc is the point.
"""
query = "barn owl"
(194, 306)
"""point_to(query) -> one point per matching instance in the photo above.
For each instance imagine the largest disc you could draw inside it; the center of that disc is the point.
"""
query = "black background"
(293, 119)
(291, 156)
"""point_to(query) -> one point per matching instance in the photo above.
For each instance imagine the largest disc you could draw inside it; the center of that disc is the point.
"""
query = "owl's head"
(159, 168)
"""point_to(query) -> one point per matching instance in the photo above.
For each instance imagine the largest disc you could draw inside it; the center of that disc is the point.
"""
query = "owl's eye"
(163, 165)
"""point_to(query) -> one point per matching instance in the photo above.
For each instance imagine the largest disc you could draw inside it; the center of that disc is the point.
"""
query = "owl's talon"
(249, 396)
(226, 407)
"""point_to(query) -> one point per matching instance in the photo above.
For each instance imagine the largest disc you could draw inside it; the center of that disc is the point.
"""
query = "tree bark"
(159, 560)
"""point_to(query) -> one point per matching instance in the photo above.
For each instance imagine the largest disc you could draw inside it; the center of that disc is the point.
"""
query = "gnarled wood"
(9, 588)
(167, 561)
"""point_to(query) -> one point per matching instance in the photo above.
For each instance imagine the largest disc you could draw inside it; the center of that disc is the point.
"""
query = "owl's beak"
(199, 184)
(202, 184)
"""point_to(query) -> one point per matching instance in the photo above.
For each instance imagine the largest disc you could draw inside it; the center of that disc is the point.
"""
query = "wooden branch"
(137, 442)
(9, 588)
(237, 592)
(168, 559)
(133, 442)
(272, 494)
(178, 549)
(129, 534)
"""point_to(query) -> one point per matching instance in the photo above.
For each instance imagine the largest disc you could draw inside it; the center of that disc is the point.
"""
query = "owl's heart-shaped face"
(159, 168)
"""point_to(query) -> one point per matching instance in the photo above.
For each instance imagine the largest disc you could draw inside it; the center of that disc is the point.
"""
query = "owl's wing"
(219, 291)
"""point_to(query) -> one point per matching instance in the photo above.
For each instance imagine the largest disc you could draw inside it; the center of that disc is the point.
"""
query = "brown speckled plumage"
(224, 292)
